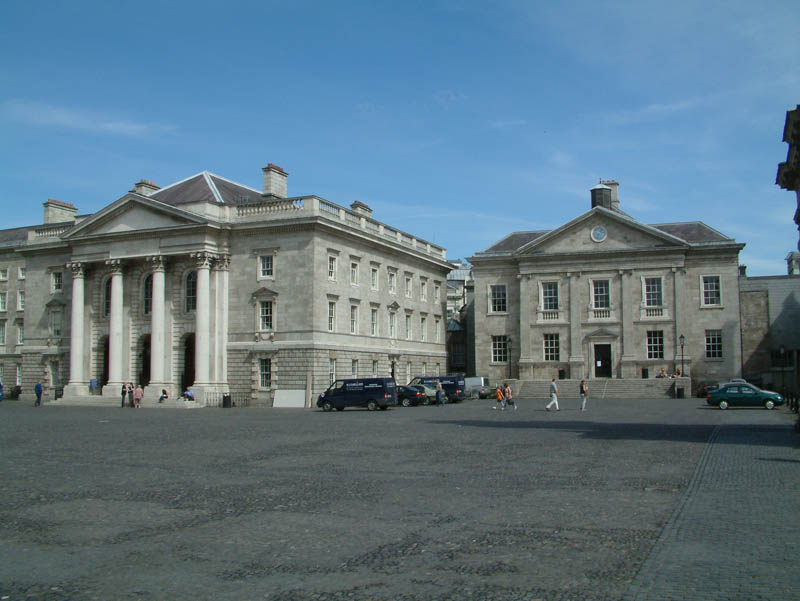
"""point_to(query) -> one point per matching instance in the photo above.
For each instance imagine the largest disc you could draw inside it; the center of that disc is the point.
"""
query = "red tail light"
(385, 396)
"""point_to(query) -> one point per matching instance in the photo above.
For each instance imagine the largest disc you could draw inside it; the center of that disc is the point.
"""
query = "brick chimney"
(793, 263)
(614, 185)
(56, 211)
(361, 208)
(145, 187)
(275, 181)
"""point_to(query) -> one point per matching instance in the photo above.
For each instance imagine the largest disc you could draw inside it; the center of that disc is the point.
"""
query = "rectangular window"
(265, 266)
(373, 322)
(550, 296)
(3, 301)
(2, 333)
(392, 325)
(437, 293)
(354, 273)
(655, 344)
(265, 314)
(20, 273)
(392, 282)
(423, 325)
(353, 319)
(265, 373)
(714, 344)
(2, 372)
(552, 347)
(332, 268)
(57, 281)
(424, 368)
(373, 278)
(331, 371)
(408, 287)
(354, 368)
(331, 316)
(423, 290)
(498, 301)
(19, 375)
(20, 333)
(712, 292)
(55, 324)
(3, 274)
(436, 326)
(408, 327)
(408, 372)
(374, 368)
(653, 296)
(20, 300)
(499, 349)
(600, 294)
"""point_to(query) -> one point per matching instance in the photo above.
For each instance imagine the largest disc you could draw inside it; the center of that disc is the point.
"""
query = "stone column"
(679, 320)
(78, 384)
(525, 317)
(628, 309)
(203, 321)
(577, 365)
(221, 338)
(115, 319)
(157, 331)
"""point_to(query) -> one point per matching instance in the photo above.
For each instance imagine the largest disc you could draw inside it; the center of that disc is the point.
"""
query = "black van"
(453, 386)
(371, 393)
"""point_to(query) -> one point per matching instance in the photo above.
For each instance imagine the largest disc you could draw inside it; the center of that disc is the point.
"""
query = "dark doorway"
(104, 372)
(144, 361)
(602, 360)
(393, 368)
(187, 376)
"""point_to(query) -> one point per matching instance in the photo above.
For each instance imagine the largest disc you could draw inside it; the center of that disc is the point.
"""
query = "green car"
(739, 394)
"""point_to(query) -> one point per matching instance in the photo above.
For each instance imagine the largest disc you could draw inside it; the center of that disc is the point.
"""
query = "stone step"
(654, 388)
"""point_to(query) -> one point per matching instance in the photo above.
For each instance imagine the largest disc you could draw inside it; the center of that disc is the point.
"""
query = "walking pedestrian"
(439, 393)
(124, 394)
(499, 398)
(508, 395)
(553, 396)
(38, 392)
(584, 390)
(138, 394)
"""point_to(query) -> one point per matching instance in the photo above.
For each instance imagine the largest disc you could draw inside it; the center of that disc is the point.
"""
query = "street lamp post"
(682, 340)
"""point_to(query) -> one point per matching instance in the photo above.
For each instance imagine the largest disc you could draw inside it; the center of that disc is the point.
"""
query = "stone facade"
(223, 287)
(606, 296)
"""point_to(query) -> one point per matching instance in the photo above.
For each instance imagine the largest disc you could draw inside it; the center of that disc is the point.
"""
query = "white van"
(477, 387)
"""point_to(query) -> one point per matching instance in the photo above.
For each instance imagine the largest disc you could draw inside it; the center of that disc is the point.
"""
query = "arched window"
(147, 304)
(107, 297)
(191, 291)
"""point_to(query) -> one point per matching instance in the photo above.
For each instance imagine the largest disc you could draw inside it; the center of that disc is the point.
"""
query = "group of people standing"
(504, 396)
(133, 395)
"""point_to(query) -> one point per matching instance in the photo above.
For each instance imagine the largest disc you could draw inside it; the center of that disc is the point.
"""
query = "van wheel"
(406, 402)
(427, 401)
(372, 405)
(327, 406)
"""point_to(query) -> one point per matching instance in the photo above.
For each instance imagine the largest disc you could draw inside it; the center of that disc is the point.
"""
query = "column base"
(113, 389)
(153, 390)
(77, 389)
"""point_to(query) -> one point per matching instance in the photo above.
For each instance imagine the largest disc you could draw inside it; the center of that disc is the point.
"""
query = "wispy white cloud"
(48, 115)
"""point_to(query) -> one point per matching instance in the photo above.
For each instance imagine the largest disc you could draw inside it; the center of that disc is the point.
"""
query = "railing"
(269, 207)
(548, 315)
(50, 232)
(327, 207)
(238, 399)
(653, 312)
(601, 313)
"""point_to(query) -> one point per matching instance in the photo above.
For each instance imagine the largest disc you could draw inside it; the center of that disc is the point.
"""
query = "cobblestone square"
(631, 500)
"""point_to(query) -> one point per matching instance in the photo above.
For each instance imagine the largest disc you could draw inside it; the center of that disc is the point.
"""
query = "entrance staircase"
(653, 388)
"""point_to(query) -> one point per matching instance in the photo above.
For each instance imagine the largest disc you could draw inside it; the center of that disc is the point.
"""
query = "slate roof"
(14, 237)
(515, 240)
(206, 187)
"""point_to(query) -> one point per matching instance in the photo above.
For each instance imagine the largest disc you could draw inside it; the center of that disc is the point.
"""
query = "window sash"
(712, 292)
(552, 347)
(374, 278)
(422, 327)
(550, 296)
(265, 373)
(601, 294)
(499, 349)
(499, 303)
(392, 282)
(266, 266)
(374, 322)
(331, 316)
(265, 315)
(331, 268)
(191, 291)
(147, 301)
(713, 344)
(354, 320)
(655, 344)
(653, 292)
(354, 273)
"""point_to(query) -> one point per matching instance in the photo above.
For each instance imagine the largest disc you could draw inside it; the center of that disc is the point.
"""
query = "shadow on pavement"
(634, 431)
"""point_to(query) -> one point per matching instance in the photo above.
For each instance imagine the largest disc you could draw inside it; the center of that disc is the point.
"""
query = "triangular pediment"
(601, 333)
(263, 293)
(394, 306)
(134, 213)
(601, 230)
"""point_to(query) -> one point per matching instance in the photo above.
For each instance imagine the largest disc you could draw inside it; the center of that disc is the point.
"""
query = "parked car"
(411, 396)
(453, 386)
(737, 394)
(428, 393)
(372, 393)
(477, 387)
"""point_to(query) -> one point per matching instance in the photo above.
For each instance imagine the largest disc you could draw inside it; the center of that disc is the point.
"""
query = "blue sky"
(456, 121)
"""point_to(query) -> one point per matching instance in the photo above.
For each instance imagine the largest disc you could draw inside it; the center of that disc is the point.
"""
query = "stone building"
(788, 176)
(210, 283)
(607, 296)
(770, 307)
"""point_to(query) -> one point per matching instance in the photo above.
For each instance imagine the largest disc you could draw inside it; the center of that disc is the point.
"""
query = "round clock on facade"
(599, 233)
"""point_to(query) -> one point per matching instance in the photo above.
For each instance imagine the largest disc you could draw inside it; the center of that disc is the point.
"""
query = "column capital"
(78, 269)
(114, 266)
(156, 262)
(203, 259)
(223, 262)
